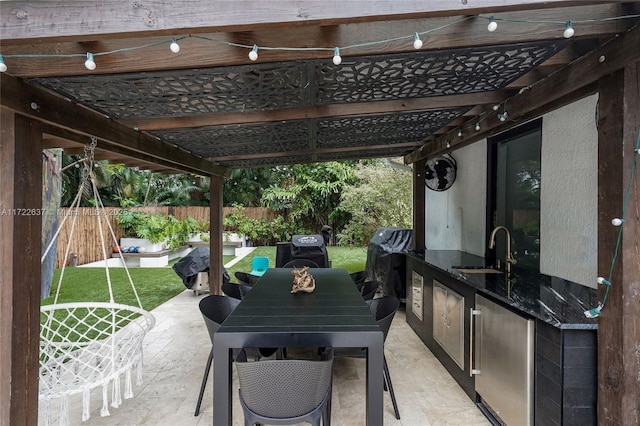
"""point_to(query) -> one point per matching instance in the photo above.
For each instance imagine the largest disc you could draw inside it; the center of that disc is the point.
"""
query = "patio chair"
(285, 391)
(215, 309)
(383, 309)
(259, 265)
(360, 276)
(246, 278)
(299, 263)
(235, 290)
(368, 289)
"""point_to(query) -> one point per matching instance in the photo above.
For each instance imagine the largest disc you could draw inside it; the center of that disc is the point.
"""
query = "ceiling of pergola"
(387, 100)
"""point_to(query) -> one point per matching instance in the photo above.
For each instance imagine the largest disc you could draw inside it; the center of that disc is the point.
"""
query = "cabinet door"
(448, 321)
(455, 327)
(439, 314)
(504, 362)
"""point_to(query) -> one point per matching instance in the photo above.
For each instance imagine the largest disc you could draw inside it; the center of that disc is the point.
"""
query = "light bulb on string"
(3, 66)
(417, 43)
(493, 25)
(568, 30)
(253, 55)
(617, 221)
(503, 116)
(174, 46)
(477, 126)
(337, 60)
(90, 63)
(460, 133)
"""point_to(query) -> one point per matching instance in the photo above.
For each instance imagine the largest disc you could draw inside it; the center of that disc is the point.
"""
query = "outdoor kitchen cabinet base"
(461, 298)
(565, 348)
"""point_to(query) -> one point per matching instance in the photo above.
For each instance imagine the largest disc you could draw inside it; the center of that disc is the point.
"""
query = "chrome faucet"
(508, 259)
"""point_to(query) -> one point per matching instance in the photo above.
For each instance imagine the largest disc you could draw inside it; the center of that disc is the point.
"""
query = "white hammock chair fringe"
(85, 345)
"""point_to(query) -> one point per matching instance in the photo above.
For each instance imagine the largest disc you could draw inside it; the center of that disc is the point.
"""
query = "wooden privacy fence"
(86, 245)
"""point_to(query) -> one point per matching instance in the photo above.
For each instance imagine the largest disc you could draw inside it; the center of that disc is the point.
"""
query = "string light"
(337, 60)
(417, 43)
(460, 133)
(174, 46)
(493, 25)
(568, 30)
(448, 144)
(504, 116)
(253, 55)
(90, 63)
(595, 312)
(477, 126)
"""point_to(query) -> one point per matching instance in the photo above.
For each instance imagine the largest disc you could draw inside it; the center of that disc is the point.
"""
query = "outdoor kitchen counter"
(556, 301)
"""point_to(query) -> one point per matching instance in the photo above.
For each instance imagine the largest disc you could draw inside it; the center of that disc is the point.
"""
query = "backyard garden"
(353, 198)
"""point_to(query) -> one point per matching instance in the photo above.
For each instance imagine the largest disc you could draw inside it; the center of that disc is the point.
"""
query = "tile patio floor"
(177, 348)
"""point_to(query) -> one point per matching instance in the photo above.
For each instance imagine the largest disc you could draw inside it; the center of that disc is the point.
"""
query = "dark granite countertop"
(554, 300)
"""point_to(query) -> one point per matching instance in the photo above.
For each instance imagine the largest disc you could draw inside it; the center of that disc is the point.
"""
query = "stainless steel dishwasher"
(503, 351)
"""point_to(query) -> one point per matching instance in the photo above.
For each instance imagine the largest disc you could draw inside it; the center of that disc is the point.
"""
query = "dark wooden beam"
(619, 321)
(370, 150)
(604, 60)
(300, 113)
(84, 20)
(20, 233)
(31, 101)
(215, 49)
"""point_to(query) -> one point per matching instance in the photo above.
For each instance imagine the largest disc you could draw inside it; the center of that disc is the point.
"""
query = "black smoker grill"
(194, 270)
(310, 247)
(386, 259)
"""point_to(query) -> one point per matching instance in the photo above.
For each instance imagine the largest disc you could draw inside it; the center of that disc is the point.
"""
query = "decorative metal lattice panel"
(427, 74)
(187, 92)
(298, 138)
(223, 141)
(262, 87)
(382, 129)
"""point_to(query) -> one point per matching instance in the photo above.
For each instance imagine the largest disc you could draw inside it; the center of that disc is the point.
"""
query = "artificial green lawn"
(157, 285)
(154, 286)
(352, 259)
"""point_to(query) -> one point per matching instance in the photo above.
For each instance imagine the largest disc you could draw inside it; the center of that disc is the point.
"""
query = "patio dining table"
(333, 315)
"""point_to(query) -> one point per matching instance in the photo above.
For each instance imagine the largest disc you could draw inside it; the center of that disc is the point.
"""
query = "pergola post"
(217, 230)
(619, 321)
(20, 233)
(418, 205)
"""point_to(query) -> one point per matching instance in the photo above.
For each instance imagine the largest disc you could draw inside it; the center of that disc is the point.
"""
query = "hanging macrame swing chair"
(89, 344)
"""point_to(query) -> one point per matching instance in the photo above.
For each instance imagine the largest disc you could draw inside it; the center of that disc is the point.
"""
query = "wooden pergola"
(209, 109)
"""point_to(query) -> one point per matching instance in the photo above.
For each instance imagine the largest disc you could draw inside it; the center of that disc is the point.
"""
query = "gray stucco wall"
(455, 219)
(569, 193)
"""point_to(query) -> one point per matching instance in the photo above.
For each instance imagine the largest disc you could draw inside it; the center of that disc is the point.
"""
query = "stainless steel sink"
(477, 270)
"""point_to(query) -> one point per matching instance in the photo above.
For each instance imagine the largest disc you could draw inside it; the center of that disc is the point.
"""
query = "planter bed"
(228, 247)
(153, 259)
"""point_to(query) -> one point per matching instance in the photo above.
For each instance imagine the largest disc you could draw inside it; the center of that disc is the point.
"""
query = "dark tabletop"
(270, 307)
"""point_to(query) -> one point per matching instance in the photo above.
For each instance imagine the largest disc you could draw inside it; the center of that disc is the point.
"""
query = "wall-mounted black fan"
(440, 173)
